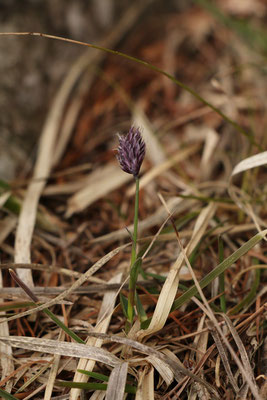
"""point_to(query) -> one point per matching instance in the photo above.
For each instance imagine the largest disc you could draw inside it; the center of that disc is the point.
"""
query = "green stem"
(133, 272)
(136, 207)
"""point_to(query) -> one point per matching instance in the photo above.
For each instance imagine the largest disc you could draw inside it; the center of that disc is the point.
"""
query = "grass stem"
(134, 264)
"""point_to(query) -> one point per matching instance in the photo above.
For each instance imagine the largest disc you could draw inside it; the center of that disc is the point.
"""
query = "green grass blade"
(92, 386)
(63, 326)
(251, 295)
(22, 304)
(221, 277)
(124, 304)
(6, 395)
(181, 222)
(94, 375)
(219, 269)
(140, 309)
(82, 385)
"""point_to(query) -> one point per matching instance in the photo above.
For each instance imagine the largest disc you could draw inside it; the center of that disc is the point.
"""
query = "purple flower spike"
(131, 151)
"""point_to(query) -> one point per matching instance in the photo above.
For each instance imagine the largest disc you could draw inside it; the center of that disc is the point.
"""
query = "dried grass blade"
(102, 181)
(224, 356)
(140, 377)
(145, 390)
(219, 333)
(157, 218)
(241, 348)
(33, 378)
(201, 340)
(7, 365)
(98, 395)
(243, 392)
(255, 161)
(74, 74)
(6, 227)
(163, 369)
(102, 325)
(169, 289)
(65, 188)
(92, 270)
(154, 150)
(145, 64)
(3, 198)
(53, 372)
(89, 59)
(217, 370)
(62, 348)
(117, 382)
(211, 141)
(42, 168)
(220, 268)
(178, 370)
(160, 168)
(200, 343)
(251, 162)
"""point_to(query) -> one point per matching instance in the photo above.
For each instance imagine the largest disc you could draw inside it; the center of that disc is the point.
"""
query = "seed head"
(131, 151)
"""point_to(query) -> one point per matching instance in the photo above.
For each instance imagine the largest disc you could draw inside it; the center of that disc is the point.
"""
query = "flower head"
(131, 151)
